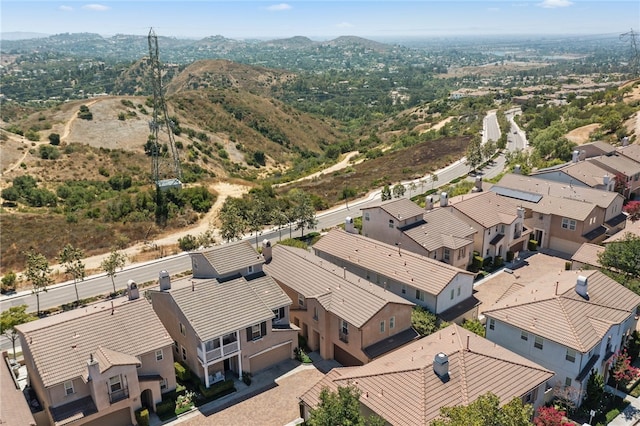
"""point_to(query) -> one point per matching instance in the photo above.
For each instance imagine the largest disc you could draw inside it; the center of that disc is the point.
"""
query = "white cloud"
(344, 25)
(65, 8)
(279, 7)
(552, 4)
(96, 7)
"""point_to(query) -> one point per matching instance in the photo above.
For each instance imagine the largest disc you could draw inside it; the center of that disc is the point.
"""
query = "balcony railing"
(343, 336)
(119, 395)
(218, 353)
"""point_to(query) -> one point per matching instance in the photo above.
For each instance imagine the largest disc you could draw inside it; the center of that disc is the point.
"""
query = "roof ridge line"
(570, 323)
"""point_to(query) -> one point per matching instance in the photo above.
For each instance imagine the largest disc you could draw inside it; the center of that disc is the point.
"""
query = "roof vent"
(444, 199)
(581, 286)
(165, 280)
(428, 203)
(441, 366)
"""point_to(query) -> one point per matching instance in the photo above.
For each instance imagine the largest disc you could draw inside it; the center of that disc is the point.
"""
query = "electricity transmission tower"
(165, 163)
(634, 62)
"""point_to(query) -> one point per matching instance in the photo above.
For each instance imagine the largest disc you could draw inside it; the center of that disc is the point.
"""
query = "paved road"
(101, 284)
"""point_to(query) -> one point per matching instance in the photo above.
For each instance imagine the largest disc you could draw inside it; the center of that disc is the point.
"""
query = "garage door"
(269, 358)
(345, 358)
(119, 418)
(569, 247)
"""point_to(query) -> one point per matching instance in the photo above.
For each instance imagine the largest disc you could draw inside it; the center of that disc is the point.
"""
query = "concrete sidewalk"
(631, 415)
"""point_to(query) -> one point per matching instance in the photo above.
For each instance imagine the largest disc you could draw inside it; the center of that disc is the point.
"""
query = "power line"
(635, 55)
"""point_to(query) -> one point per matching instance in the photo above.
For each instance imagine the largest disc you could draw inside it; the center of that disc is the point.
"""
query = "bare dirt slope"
(580, 135)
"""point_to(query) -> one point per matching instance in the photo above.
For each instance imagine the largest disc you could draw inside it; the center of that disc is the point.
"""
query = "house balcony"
(218, 353)
(119, 395)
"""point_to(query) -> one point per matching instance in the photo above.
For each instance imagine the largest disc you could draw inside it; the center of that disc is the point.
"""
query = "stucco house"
(341, 315)
(443, 289)
(228, 317)
(435, 233)
(448, 368)
(570, 322)
(98, 365)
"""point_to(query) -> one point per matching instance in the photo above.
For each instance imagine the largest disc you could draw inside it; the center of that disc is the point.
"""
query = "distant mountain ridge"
(21, 35)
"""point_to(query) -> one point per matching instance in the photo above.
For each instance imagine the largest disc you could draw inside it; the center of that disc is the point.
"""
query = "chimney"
(132, 290)
(267, 250)
(575, 157)
(428, 202)
(477, 185)
(520, 211)
(348, 225)
(441, 366)
(444, 199)
(165, 280)
(606, 181)
(93, 368)
(581, 287)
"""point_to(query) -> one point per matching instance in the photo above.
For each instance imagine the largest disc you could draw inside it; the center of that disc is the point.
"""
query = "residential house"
(443, 289)
(570, 322)
(14, 409)
(581, 173)
(99, 364)
(435, 233)
(586, 257)
(339, 314)
(625, 170)
(630, 151)
(499, 223)
(228, 317)
(593, 149)
(562, 216)
(451, 367)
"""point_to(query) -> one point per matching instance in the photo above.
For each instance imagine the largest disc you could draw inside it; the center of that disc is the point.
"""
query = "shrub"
(498, 261)
(533, 245)
(182, 372)
(567, 266)
(48, 152)
(477, 263)
(142, 417)
(246, 378)
(217, 390)
(54, 139)
(166, 409)
(510, 256)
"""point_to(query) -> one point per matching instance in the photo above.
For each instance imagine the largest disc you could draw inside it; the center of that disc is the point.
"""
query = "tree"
(633, 345)
(38, 273)
(71, 258)
(341, 408)
(54, 139)
(302, 211)
(12, 317)
(474, 153)
(412, 187)
(398, 190)
(232, 222)
(623, 256)
(621, 369)
(486, 411)
(256, 217)
(475, 326)
(633, 210)
(434, 179)
(385, 194)
(111, 263)
(187, 243)
(594, 391)
(9, 282)
(424, 322)
(550, 416)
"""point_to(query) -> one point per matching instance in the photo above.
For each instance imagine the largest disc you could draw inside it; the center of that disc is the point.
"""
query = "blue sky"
(320, 20)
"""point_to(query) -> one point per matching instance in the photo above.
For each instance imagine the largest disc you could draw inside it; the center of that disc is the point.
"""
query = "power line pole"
(634, 62)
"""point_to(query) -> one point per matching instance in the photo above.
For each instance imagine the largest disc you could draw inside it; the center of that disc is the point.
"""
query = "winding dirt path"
(344, 163)
(67, 126)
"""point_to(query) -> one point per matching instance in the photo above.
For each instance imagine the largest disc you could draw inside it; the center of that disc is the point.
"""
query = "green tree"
(302, 211)
(9, 282)
(71, 258)
(486, 411)
(187, 243)
(474, 153)
(232, 222)
(341, 408)
(424, 322)
(12, 317)
(623, 256)
(111, 263)
(595, 390)
(398, 190)
(38, 273)
(54, 139)
(385, 194)
(256, 218)
(475, 326)
(412, 187)
(434, 179)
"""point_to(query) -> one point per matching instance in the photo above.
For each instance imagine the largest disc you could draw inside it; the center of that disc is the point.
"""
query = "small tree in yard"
(621, 369)
(398, 190)
(595, 391)
(385, 194)
(71, 258)
(341, 408)
(474, 326)
(115, 260)
(633, 210)
(38, 273)
(550, 416)
(425, 322)
(12, 317)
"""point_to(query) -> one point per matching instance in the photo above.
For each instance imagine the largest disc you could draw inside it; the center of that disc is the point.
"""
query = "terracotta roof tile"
(630, 151)
(232, 257)
(400, 208)
(441, 228)
(488, 209)
(14, 409)
(588, 254)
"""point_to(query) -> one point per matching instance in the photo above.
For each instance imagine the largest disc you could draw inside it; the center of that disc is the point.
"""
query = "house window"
(344, 327)
(164, 385)
(392, 323)
(279, 314)
(159, 355)
(184, 353)
(502, 229)
(382, 326)
(366, 216)
(452, 293)
(175, 345)
(300, 299)
(391, 223)
(315, 313)
(183, 329)
(419, 295)
(68, 387)
(492, 324)
(115, 384)
(524, 336)
(250, 269)
(458, 291)
(212, 344)
(569, 224)
(567, 381)
(404, 289)
(462, 253)
(570, 355)
(487, 252)
(447, 255)
(538, 343)
(257, 331)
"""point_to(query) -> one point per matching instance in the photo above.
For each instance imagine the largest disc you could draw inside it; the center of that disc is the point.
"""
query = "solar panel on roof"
(517, 194)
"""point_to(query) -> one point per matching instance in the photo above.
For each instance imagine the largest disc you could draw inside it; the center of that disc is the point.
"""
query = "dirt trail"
(67, 126)
(338, 166)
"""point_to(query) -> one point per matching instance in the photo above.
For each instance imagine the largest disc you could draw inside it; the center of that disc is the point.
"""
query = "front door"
(146, 398)
(538, 236)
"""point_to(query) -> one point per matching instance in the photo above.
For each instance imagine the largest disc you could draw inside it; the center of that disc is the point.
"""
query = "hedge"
(182, 372)
(142, 417)
(217, 390)
(166, 409)
(533, 245)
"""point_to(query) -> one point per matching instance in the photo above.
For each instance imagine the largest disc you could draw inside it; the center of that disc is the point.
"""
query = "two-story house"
(450, 367)
(563, 216)
(498, 220)
(443, 289)
(570, 322)
(99, 364)
(435, 233)
(341, 315)
(228, 317)
(579, 173)
(626, 170)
